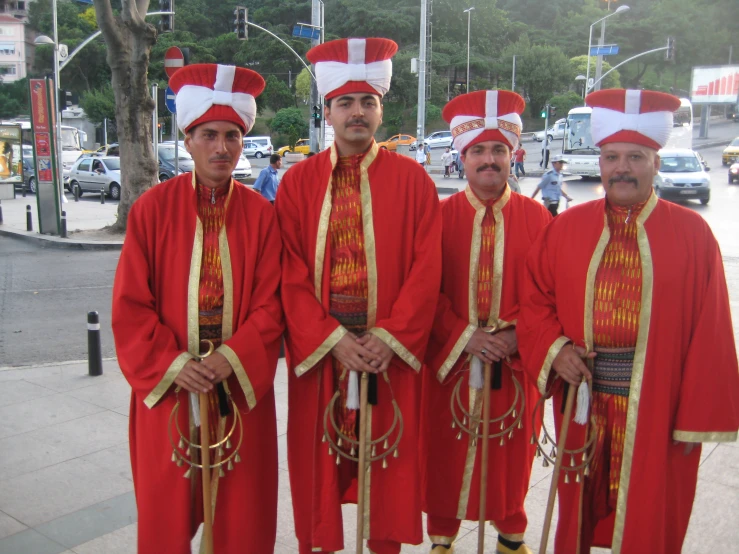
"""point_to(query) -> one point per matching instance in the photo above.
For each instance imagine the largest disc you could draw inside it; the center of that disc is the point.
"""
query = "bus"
(582, 154)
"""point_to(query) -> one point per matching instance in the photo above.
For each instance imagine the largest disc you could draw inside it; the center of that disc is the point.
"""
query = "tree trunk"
(129, 40)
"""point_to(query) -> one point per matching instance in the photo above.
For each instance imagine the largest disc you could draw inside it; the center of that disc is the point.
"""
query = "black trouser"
(553, 207)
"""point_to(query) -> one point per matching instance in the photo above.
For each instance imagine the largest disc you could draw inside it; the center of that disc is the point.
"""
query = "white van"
(259, 147)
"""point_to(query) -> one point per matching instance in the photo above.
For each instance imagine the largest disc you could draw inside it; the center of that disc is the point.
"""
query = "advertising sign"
(11, 163)
(715, 85)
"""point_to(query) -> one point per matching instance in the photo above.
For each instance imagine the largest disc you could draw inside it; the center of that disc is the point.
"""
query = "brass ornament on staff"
(355, 450)
(222, 452)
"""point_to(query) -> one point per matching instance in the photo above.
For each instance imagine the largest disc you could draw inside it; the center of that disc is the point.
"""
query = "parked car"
(682, 176)
(556, 131)
(166, 160)
(731, 152)
(259, 147)
(439, 139)
(29, 176)
(301, 147)
(734, 172)
(93, 174)
(392, 143)
(242, 170)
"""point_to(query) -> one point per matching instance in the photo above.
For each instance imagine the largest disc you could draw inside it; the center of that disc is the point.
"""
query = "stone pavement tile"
(281, 548)
(89, 523)
(85, 435)
(29, 542)
(69, 381)
(281, 410)
(41, 412)
(114, 460)
(55, 491)
(13, 392)
(282, 449)
(9, 525)
(25, 453)
(713, 525)
(285, 520)
(30, 373)
(122, 541)
(112, 392)
(124, 409)
(721, 467)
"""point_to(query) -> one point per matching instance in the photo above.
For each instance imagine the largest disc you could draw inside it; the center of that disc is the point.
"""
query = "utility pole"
(421, 119)
(315, 100)
(513, 77)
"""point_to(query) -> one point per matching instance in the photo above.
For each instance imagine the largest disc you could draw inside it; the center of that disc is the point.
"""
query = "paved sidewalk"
(65, 484)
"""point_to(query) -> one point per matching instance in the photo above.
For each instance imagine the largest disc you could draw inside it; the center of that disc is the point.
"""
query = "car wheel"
(163, 177)
(32, 184)
(550, 138)
(259, 155)
(115, 191)
(73, 185)
(704, 201)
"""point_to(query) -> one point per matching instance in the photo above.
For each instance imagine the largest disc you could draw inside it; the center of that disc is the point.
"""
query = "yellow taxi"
(731, 153)
(393, 142)
(301, 147)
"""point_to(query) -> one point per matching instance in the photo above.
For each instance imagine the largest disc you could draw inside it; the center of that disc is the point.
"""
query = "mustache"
(485, 167)
(225, 158)
(623, 179)
(352, 122)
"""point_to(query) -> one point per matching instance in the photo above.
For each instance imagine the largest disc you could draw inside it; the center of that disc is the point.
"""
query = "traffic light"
(240, 14)
(670, 52)
(316, 116)
(544, 112)
(65, 99)
(552, 112)
(166, 23)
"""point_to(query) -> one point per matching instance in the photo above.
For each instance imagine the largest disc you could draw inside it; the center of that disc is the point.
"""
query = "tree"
(129, 39)
(302, 86)
(276, 94)
(99, 104)
(289, 120)
(564, 103)
(579, 65)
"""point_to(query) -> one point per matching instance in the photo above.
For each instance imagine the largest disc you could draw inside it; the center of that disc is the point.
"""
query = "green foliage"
(302, 86)
(288, 122)
(433, 112)
(579, 66)
(564, 103)
(276, 95)
(14, 99)
(99, 104)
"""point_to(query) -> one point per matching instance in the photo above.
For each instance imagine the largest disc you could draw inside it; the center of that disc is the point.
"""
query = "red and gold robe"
(158, 292)
(470, 292)
(684, 381)
(401, 236)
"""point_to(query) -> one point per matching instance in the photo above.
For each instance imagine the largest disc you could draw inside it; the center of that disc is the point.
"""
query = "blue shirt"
(267, 183)
(551, 185)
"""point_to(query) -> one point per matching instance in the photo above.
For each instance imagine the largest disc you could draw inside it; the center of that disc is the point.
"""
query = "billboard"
(715, 85)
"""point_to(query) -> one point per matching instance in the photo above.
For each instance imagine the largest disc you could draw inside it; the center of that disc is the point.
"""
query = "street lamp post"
(620, 9)
(582, 78)
(468, 11)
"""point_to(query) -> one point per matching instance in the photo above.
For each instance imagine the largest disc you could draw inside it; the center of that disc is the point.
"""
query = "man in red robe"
(201, 262)
(361, 270)
(487, 232)
(629, 294)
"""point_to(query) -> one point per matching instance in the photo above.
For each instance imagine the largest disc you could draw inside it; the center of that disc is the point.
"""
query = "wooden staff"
(207, 541)
(485, 450)
(362, 470)
(557, 466)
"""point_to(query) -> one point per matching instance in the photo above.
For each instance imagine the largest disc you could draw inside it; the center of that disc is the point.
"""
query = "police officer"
(551, 185)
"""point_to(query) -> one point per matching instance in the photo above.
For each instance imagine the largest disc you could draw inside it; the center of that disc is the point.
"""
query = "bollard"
(94, 352)
(23, 190)
(76, 192)
(102, 196)
(29, 219)
(64, 224)
(1, 212)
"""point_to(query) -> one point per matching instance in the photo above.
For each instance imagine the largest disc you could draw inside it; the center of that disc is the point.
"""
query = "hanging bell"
(230, 465)
(514, 413)
(502, 426)
(237, 458)
(572, 461)
(228, 444)
(187, 473)
(587, 471)
(330, 452)
(220, 451)
(338, 459)
(221, 473)
(553, 453)
(545, 463)
(538, 453)
(174, 456)
(384, 463)
(454, 425)
(577, 477)
(533, 439)
(464, 421)
(179, 462)
(474, 442)
(502, 441)
(544, 440)
(181, 444)
(339, 442)
(374, 451)
(323, 438)
(385, 444)
(459, 436)
(567, 478)
(520, 424)
(396, 454)
(351, 452)
(510, 435)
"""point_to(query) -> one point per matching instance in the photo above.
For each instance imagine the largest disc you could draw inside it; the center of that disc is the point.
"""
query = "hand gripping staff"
(559, 454)
(221, 452)
(358, 448)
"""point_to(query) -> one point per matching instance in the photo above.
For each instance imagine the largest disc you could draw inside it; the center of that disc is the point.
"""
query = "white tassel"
(583, 404)
(476, 378)
(352, 394)
(195, 409)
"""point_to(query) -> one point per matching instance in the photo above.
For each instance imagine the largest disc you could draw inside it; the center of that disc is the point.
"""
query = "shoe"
(502, 549)
(441, 550)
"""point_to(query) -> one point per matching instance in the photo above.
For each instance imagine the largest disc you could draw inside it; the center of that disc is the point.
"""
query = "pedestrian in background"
(421, 154)
(551, 185)
(267, 182)
(519, 156)
(446, 161)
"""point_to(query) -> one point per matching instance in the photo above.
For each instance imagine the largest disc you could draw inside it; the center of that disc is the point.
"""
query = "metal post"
(546, 139)
(94, 351)
(313, 131)
(57, 115)
(29, 219)
(105, 132)
(155, 118)
(421, 117)
(176, 133)
(23, 190)
(469, 17)
(102, 196)
(1, 212)
(64, 224)
(587, 71)
(76, 193)
(705, 115)
(599, 59)
(513, 76)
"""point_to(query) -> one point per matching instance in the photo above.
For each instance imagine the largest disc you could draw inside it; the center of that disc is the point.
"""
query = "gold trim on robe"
(456, 352)
(397, 347)
(241, 376)
(637, 373)
(704, 436)
(169, 376)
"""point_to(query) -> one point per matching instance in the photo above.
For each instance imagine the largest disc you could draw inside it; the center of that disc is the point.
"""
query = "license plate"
(687, 192)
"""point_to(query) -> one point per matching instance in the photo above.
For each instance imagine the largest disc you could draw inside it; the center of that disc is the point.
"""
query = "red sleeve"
(453, 333)
(256, 343)
(708, 405)
(147, 349)
(311, 331)
(407, 329)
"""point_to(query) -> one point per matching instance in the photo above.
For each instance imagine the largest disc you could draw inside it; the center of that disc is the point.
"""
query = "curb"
(57, 242)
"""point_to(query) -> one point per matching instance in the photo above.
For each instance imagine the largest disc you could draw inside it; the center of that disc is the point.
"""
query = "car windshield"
(679, 164)
(113, 164)
(735, 142)
(167, 153)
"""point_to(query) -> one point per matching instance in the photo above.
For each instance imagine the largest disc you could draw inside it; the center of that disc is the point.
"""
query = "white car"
(257, 148)
(556, 131)
(682, 176)
(95, 173)
(439, 139)
(240, 173)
